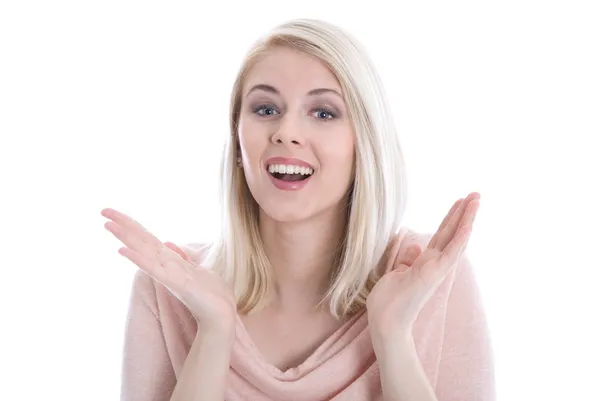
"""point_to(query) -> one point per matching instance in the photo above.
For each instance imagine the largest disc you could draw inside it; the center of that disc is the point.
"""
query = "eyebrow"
(272, 89)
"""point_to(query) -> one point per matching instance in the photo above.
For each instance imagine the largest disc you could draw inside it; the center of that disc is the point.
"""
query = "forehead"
(287, 68)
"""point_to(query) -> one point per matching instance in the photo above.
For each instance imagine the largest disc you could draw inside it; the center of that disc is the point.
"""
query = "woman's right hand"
(203, 292)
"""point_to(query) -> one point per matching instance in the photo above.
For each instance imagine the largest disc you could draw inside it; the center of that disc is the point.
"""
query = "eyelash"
(257, 109)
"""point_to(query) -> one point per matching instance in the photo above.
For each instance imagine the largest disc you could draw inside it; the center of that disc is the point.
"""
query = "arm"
(466, 371)
(401, 374)
(205, 370)
(204, 373)
(466, 366)
(147, 372)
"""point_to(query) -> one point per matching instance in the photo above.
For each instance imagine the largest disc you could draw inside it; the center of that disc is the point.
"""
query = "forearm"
(401, 373)
(204, 373)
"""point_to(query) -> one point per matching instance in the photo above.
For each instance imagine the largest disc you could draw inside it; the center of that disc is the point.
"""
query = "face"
(295, 137)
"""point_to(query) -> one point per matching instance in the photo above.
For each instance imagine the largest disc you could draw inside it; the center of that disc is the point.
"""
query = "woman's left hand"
(399, 296)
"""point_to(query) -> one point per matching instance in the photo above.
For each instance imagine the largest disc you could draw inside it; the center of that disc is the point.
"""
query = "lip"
(288, 185)
(287, 160)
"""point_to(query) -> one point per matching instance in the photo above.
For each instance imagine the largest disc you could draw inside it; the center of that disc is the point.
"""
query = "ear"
(238, 153)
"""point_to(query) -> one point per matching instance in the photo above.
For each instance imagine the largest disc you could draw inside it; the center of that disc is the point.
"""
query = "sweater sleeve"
(466, 371)
(147, 371)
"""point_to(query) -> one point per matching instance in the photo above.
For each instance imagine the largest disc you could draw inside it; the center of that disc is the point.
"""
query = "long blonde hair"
(377, 197)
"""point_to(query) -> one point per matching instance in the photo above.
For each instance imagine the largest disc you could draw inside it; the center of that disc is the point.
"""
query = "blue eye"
(324, 114)
(264, 110)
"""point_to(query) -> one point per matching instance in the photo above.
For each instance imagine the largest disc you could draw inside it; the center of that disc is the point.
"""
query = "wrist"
(401, 372)
(392, 342)
(221, 332)
(389, 328)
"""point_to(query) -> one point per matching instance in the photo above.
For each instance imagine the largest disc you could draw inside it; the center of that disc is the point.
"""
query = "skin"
(299, 229)
(292, 107)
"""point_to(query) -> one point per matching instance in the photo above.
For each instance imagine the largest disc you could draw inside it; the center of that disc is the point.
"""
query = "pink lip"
(288, 185)
(286, 160)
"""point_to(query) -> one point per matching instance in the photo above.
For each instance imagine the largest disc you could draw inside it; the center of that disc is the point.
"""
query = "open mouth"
(290, 172)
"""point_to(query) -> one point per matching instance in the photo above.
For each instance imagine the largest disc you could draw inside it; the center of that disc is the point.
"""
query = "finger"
(392, 253)
(119, 217)
(446, 235)
(409, 256)
(450, 214)
(178, 250)
(455, 249)
(143, 262)
(435, 238)
(129, 224)
(129, 238)
(165, 266)
(459, 242)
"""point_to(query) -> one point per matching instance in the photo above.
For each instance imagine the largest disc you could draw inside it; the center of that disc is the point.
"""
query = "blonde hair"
(377, 197)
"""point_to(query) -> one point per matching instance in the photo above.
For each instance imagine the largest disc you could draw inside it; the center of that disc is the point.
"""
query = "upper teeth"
(289, 169)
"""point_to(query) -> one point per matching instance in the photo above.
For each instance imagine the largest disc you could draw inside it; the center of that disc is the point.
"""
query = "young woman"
(313, 290)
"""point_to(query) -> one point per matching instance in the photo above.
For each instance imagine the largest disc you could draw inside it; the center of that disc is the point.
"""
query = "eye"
(264, 110)
(324, 114)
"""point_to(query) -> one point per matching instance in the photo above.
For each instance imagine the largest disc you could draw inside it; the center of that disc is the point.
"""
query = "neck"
(302, 255)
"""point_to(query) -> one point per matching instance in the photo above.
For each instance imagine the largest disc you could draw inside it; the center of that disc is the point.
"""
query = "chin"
(295, 206)
(286, 214)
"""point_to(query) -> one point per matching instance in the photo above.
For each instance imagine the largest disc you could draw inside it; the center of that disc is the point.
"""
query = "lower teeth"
(290, 177)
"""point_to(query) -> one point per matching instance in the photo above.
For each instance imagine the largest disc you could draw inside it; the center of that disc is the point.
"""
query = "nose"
(288, 133)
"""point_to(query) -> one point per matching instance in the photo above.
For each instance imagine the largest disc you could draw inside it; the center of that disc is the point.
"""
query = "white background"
(123, 104)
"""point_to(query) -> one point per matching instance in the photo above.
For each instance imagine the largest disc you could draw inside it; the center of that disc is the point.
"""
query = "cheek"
(338, 150)
(337, 158)
(252, 143)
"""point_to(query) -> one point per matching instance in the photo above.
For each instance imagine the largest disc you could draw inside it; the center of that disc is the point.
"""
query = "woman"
(313, 291)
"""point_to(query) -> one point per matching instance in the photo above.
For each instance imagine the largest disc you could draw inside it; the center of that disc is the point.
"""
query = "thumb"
(409, 256)
(177, 250)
